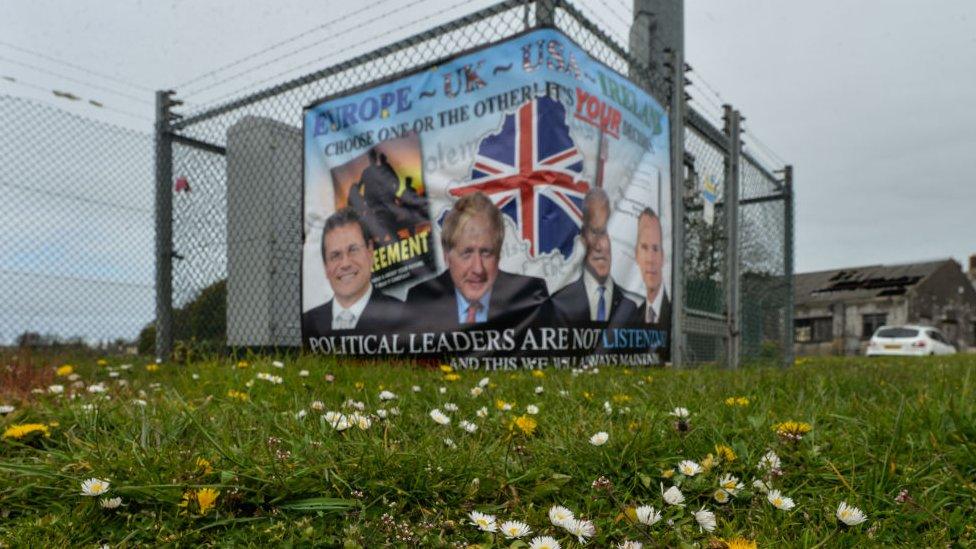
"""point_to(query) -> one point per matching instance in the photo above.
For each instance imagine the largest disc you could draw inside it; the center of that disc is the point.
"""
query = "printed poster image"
(507, 208)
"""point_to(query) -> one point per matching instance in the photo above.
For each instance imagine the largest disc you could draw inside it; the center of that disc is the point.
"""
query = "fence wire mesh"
(76, 228)
(236, 159)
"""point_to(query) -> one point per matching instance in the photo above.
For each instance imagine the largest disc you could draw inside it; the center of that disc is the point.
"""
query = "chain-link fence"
(76, 228)
(76, 258)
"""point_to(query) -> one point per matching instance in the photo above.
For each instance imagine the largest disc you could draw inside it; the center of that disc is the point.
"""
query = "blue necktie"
(601, 306)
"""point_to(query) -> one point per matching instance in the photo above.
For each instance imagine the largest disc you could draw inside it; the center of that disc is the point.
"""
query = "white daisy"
(532, 409)
(303, 373)
(139, 402)
(6, 409)
(110, 503)
(721, 496)
(558, 515)
(582, 529)
(482, 412)
(607, 407)
(485, 522)
(94, 487)
(442, 390)
(394, 411)
(513, 529)
(113, 374)
(360, 420)
(97, 388)
(672, 495)
(627, 544)
(451, 407)
(278, 364)
(563, 393)
(761, 486)
(301, 413)
(770, 461)
(647, 515)
(730, 484)
(599, 439)
(689, 468)
(381, 413)
(195, 376)
(387, 395)
(415, 388)
(55, 389)
(439, 417)
(317, 405)
(338, 421)
(539, 390)
(780, 501)
(352, 403)
(484, 382)
(544, 542)
(476, 391)
(706, 519)
(468, 426)
(449, 443)
(851, 516)
(125, 366)
(680, 413)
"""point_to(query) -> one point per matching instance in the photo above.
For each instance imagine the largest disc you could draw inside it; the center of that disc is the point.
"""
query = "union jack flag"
(530, 169)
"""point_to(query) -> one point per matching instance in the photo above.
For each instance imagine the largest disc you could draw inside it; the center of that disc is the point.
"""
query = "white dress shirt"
(355, 310)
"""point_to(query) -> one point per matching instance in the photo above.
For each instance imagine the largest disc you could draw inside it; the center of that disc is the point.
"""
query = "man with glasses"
(348, 256)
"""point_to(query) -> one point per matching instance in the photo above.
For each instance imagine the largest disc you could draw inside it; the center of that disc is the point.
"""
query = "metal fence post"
(731, 198)
(545, 13)
(164, 227)
(788, 351)
(677, 129)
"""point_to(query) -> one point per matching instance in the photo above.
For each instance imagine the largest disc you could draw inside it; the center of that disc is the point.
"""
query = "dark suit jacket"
(516, 300)
(570, 304)
(663, 320)
(382, 314)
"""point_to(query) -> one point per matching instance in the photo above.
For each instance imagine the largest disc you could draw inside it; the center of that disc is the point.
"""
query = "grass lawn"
(224, 452)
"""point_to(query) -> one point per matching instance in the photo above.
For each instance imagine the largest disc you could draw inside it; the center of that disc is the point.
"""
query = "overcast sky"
(869, 100)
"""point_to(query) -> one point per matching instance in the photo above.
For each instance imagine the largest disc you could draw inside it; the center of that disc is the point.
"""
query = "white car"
(909, 341)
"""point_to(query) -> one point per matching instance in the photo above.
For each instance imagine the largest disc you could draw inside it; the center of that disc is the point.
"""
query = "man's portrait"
(649, 254)
(594, 296)
(347, 253)
(473, 290)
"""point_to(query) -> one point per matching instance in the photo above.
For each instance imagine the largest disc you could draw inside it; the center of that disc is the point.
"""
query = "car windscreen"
(896, 332)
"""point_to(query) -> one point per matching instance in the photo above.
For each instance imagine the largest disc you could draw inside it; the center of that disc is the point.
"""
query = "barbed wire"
(332, 55)
(69, 96)
(75, 80)
(277, 45)
(75, 66)
(191, 93)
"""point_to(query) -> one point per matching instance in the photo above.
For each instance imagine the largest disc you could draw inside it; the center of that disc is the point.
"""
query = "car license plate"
(892, 347)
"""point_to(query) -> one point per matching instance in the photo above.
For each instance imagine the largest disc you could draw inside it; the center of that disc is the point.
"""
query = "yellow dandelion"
(360, 385)
(538, 373)
(708, 462)
(204, 465)
(620, 399)
(648, 378)
(792, 430)
(206, 498)
(239, 395)
(737, 543)
(526, 424)
(725, 453)
(152, 367)
(65, 370)
(446, 368)
(452, 377)
(102, 362)
(502, 405)
(633, 426)
(587, 395)
(626, 371)
(242, 364)
(25, 430)
(667, 473)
